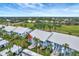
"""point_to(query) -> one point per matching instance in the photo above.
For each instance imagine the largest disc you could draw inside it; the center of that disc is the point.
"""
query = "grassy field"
(69, 29)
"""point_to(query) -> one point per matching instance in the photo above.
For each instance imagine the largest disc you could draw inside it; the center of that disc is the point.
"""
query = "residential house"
(16, 49)
(9, 29)
(22, 31)
(4, 52)
(2, 26)
(41, 35)
(1, 39)
(63, 43)
(3, 43)
(27, 52)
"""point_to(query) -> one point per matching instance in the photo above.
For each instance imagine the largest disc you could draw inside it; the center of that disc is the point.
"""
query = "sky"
(39, 9)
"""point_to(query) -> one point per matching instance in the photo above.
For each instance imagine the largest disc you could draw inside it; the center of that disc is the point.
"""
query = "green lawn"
(30, 25)
(69, 29)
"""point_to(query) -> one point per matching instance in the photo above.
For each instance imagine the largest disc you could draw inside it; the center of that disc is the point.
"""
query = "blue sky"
(39, 9)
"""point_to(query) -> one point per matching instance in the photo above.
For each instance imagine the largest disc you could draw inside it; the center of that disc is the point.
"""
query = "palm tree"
(66, 46)
(37, 45)
(16, 36)
(1, 32)
(48, 49)
(75, 53)
(54, 24)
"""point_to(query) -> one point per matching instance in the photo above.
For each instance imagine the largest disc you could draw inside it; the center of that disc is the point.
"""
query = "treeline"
(56, 20)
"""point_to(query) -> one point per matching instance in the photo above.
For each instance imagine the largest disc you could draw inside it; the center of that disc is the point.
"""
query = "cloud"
(31, 5)
(39, 9)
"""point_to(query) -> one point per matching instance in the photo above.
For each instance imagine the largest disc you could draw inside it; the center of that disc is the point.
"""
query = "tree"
(49, 47)
(54, 24)
(75, 53)
(66, 46)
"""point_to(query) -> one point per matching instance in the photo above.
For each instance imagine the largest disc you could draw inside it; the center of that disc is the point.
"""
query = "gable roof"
(22, 30)
(3, 42)
(1, 39)
(2, 26)
(61, 39)
(4, 52)
(9, 28)
(29, 52)
(15, 48)
(40, 34)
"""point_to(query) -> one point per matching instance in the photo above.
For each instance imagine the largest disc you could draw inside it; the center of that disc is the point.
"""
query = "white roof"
(29, 52)
(15, 48)
(1, 26)
(1, 39)
(42, 35)
(22, 54)
(9, 28)
(3, 42)
(61, 39)
(4, 52)
(22, 30)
